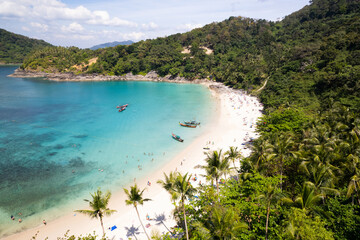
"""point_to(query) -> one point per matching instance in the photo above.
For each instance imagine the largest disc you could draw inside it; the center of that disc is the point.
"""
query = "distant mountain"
(111, 44)
(14, 47)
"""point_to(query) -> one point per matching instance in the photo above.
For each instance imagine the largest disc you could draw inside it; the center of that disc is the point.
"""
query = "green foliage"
(301, 226)
(99, 206)
(14, 48)
(344, 218)
(282, 120)
(309, 149)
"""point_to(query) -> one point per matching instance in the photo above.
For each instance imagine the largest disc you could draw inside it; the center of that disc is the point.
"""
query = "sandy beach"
(233, 125)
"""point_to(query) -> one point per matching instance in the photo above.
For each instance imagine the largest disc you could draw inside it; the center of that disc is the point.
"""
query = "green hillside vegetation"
(14, 48)
(302, 180)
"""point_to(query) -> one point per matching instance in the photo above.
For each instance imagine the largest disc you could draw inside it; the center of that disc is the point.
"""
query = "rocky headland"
(72, 77)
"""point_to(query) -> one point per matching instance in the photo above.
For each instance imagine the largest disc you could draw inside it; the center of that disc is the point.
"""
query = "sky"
(85, 23)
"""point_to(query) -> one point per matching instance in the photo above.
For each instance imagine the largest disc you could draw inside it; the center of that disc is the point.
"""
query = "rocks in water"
(70, 76)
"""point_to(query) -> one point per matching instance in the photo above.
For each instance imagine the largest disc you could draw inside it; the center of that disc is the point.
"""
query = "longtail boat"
(122, 106)
(192, 122)
(177, 138)
(187, 125)
(122, 109)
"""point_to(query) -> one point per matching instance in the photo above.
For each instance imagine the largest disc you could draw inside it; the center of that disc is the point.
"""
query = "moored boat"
(177, 138)
(187, 125)
(192, 122)
(122, 106)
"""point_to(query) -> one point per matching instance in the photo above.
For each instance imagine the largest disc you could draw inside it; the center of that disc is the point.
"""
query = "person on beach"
(147, 217)
(44, 222)
(12, 217)
(20, 220)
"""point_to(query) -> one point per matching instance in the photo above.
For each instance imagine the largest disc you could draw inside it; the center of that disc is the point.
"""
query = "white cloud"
(75, 36)
(189, 26)
(115, 35)
(103, 18)
(12, 9)
(56, 10)
(133, 35)
(149, 26)
(72, 28)
(39, 26)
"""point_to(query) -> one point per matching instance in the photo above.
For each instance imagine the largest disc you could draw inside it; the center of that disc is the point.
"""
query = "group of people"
(20, 220)
(13, 218)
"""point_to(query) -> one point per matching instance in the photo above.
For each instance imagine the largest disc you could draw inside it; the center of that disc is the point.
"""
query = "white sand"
(234, 124)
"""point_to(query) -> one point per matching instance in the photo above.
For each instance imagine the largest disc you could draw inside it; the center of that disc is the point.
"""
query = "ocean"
(60, 141)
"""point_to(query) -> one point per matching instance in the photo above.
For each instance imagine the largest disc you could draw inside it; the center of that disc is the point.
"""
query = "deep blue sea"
(59, 141)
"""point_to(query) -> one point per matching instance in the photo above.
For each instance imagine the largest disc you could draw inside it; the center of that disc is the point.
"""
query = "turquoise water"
(60, 141)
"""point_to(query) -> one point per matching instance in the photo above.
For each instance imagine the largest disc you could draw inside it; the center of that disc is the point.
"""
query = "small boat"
(177, 138)
(122, 106)
(122, 109)
(192, 122)
(187, 125)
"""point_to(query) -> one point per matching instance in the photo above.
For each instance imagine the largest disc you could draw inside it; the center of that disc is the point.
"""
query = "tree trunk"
(217, 186)
(186, 228)
(281, 173)
(167, 228)
(356, 192)
(141, 223)
(102, 225)
(267, 222)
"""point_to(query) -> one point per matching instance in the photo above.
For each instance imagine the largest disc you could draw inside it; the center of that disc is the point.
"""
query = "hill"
(322, 38)
(111, 44)
(14, 47)
(302, 179)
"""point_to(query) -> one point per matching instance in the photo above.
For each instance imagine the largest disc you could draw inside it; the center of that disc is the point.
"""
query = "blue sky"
(86, 23)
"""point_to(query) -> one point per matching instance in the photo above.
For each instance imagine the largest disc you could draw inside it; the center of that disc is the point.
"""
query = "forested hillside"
(302, 180)
(14, 47)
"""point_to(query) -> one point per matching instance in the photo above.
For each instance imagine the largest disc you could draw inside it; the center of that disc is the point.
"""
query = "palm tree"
(135, 198)
(183, 187)
(224, 223)
(269, 197)
(99, 206)
(261, 153)
(321, 175)
(282, 151)
(216, 166)
(354, 184)
(308, 198)
(233, 154)
(168, 184)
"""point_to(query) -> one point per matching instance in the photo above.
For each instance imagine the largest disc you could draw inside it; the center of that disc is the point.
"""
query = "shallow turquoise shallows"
(59, 141)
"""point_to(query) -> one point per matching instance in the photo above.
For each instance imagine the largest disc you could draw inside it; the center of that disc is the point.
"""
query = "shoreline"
(71, 77)
(223, 131)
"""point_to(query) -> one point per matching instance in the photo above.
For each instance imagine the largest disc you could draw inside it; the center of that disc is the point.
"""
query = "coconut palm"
(233, 154)
(135, 198)
(354, 185)
(281, 152)
(321, 175)
(168, 184)
(269, 197)
(184, 189)
(308, 198)
(224, 223)
(216, 166)
(261, 153)
(98, 206)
